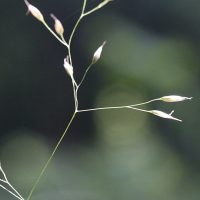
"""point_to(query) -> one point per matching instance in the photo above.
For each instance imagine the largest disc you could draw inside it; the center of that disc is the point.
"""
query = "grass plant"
(58, 34)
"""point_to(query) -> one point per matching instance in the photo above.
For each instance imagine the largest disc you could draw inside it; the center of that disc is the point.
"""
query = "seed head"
(174, 98)
(34, 11)
(97, 53)
(164, 115)
(58, 26)
(68, 67)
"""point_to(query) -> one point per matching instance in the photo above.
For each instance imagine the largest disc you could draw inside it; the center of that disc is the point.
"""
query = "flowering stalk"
(155, 112)
(69, 69)
(68, 66)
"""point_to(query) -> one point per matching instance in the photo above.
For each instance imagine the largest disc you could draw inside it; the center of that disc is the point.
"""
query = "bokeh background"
(152, 50)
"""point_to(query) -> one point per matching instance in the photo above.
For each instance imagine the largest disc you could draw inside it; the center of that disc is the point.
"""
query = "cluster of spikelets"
(69, 69)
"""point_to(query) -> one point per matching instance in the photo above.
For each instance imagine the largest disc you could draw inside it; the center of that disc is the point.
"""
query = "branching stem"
(16, 194)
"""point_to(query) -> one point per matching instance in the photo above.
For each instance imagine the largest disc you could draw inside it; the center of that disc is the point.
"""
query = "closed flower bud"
(174, 98)
(97, 53)
(164, 115)
(34, 11)
(58, 26)
(68, 67)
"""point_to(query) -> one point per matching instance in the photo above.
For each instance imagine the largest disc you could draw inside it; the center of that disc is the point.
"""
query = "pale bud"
(34, 11)
(164, 115)
(97, 53)
(58, 26)
(174, 98)
(68, 67)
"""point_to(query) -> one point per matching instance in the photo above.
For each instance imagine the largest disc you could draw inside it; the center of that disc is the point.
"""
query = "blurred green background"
(152, 50)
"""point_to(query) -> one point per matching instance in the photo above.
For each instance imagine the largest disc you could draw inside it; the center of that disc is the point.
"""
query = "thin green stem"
(84, 75)
(84, 5)
(52, 155)
(104, 108)
(75, 90)
(115, 107)
(82, 15)
(146, 102)
(63, 39)
(71, 36)
(139, 109)
(77, 87)
(96, 8)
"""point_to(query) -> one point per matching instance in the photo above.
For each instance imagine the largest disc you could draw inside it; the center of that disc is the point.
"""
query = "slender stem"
(146, 102)
(115, 107)
(82, 15)
(15, 191)
(98, 7)
(11, 192)
(4, 175)
(63, 39)
(76, 96)
(6, 181)
(84, 75)
(71, 36)
(84, 5)
(51, 155)
(139, 109)
(104, 108)
(75, 89)
(63, 42)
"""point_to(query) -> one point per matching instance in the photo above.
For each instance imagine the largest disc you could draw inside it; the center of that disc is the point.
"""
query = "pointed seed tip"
(27, 3)
(53, 16)
(27, 12)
